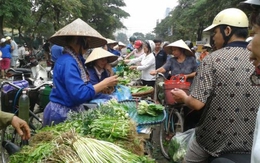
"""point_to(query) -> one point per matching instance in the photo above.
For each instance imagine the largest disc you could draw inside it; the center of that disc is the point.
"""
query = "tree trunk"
(2, 26)
(199, 32)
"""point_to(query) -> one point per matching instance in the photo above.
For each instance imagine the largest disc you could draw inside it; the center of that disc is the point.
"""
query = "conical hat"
(78, 28)
(99, 53)
(207, 46)
(178, 44)
(109, 41)
(121, 44)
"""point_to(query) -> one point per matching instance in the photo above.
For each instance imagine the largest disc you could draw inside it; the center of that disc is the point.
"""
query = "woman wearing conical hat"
(98, 65)
(70, 82)
(183, 61)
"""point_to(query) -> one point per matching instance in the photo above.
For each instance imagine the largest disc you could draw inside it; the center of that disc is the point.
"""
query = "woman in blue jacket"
(71, 87)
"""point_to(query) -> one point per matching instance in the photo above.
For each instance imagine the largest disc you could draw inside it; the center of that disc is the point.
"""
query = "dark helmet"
(132, 39)
(189, 43)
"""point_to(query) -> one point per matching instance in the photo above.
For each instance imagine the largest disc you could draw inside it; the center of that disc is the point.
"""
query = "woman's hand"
(179, 95)
(108, 67)
(111, 81)
(21, 127)
(154, 72)
(127, 60)
(133, 67)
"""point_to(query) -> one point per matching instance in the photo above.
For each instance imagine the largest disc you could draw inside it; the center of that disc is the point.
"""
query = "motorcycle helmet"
(132, 39)
(138, 44)
(232, 16)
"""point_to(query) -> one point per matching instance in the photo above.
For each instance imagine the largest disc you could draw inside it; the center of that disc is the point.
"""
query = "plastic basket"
(175, 82)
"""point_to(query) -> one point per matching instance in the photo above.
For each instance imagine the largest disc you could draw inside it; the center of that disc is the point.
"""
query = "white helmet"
(249, 39)
(151, 44)
(3, 40)
(251, 2)
(232, 16)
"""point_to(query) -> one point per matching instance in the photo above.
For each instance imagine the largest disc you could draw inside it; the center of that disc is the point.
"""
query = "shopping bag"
(179, 145)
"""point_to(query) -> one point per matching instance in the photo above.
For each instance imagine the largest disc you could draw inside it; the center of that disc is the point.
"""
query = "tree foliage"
(190, 17)
(41, 18)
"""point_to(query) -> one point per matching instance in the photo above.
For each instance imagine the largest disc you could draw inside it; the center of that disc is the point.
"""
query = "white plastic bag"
(179, 144)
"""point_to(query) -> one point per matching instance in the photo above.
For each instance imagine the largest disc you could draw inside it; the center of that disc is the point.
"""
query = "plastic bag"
(179, 145)
(122, 93)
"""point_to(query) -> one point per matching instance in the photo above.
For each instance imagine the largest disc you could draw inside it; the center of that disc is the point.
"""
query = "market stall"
(108, 133)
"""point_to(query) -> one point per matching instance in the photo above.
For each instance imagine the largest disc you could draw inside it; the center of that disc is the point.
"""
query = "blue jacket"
(93, 76)
(69, 89)
(6, 51)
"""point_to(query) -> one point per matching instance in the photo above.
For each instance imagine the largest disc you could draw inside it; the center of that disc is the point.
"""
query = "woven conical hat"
(121, 44)
(178, 44)
(207, 45)
(99, 53)
(110, 41)
(78, 28)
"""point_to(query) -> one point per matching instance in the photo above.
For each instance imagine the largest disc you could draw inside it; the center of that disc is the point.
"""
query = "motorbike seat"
(24, 70)
(18, 72)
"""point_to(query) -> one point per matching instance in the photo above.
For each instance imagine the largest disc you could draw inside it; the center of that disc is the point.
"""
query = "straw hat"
(121, 44)
(99, 53)
(78, 28)
(206, 46)
(109, 42)
(8, 38)
(178, 44)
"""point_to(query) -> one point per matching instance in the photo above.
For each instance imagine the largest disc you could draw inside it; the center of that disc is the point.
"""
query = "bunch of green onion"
(97, 151)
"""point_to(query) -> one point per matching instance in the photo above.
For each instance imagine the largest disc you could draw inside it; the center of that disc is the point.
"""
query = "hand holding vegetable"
(127, 60)
(107, 82)
(132, 67)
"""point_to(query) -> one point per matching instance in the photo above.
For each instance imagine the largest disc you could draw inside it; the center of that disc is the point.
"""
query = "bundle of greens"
(70, 141)
(141, 89)
(150, 109)
(122, 70)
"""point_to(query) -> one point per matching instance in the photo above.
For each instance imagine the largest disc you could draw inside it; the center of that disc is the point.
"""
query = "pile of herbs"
(109, 123)
(140, 89)
(149, 108)
(125, 74)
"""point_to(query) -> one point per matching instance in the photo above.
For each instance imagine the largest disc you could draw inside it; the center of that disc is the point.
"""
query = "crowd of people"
(223, 80)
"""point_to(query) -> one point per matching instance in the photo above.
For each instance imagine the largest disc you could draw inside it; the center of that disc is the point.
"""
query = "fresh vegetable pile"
(104, 134)
(150, 109)
(141, 89)
(125, 74)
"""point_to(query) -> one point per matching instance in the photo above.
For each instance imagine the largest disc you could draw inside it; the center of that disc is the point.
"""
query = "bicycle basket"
(178, 81)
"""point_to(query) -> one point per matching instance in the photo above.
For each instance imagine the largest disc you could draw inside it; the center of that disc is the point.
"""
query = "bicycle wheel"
(172, 124)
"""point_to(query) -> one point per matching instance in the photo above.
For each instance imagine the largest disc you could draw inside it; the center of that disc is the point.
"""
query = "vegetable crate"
(175, 82)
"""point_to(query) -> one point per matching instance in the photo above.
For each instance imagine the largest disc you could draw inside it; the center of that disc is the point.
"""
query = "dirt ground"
(154, 146)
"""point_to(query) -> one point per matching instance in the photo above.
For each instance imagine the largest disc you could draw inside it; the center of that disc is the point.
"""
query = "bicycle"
(174, 121)
(9, 101)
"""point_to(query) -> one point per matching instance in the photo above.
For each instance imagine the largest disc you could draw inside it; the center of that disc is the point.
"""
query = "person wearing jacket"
(222, 89)
(20, 125)
(71, 86)
(147, 63)
(254, 47)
